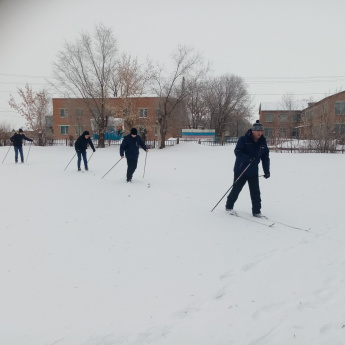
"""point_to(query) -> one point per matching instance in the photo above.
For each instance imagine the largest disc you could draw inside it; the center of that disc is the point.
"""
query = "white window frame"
(283, 117)
(63, 112)
(297, 118)
(79, 130)
(64, 126)
(143, 113)
(342, 108)
(269, 117)
(268, 132)
(339, 128)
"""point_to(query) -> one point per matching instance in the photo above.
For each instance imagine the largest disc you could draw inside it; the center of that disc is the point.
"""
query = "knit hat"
(134, 131)
(257, 126)
(20, 130)
(86, 133)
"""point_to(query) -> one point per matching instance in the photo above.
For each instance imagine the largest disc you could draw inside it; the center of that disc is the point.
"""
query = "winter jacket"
(17, 139)
(81, 144)
(246, 150)
(130, 146)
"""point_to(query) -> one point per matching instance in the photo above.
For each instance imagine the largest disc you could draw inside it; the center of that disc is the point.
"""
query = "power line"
(22, 82)
(309, 77)
(24, 76)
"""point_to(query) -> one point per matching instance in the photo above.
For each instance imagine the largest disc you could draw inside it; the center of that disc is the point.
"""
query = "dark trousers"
(131, 166)
(20, 150)
(82, 154)
(254, 189)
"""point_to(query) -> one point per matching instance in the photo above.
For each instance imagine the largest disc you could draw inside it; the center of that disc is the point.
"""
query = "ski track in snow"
(92, 261)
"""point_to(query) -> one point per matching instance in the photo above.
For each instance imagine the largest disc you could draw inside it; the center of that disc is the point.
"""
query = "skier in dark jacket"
(130, 146)
(81, 146)
(250, 149)
(17, 140)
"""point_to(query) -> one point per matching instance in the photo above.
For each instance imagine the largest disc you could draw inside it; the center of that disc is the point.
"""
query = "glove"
(267, 175)
(94, 150)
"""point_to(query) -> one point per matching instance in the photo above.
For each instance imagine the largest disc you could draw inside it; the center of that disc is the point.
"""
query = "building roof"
(274, 106)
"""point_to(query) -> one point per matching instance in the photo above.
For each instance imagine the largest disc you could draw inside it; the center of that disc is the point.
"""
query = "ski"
(257, 221)
(288, 225)
(270, 222)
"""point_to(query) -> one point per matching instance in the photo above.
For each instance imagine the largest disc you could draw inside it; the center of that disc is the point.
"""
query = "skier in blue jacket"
(250, 149)
(80, 147)
(17, 140)
(130, 147)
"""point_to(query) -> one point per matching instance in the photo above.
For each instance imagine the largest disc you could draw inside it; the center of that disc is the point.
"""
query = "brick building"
(325, 118)
(279, 122)
(72, 116)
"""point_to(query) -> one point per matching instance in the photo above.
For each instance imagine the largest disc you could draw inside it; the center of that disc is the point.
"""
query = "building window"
(63, 112)
(155, 130)
(48, 121)
(269, 117)
(78, 113)
(339, 108)
(142, 113)
(79, 130)
(142, 131)
(283, 117)
(340, 128)
(64, 130)
(283, 132)
(296, 118)
(268, 132)
(295, 133)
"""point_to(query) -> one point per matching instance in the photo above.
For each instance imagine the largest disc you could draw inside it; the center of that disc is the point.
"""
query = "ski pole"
(145, 165)
(90, 157)
(111, 167)
(6, 154)
(28, 153)
(70, 161)
(233, 184)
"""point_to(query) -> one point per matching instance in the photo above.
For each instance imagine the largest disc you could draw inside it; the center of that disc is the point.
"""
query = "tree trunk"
(162, 143)
(101, 142)
(40, 139)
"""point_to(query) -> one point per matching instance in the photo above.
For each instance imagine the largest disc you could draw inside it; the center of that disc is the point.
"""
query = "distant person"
(250, 149)
(81, 146)
(130, 146)
(17, 140)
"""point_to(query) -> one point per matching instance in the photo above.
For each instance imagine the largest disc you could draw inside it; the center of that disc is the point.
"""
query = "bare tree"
(171, 88)
(5, 132)
(228, 101)
(321, 124)
(34, 106)
(196, 104)
(84, 70)
(130, 79)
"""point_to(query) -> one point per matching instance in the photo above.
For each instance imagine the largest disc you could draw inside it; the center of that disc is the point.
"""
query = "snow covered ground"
(91, 261)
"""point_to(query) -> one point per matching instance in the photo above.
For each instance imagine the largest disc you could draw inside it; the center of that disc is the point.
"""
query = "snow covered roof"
(297, 105)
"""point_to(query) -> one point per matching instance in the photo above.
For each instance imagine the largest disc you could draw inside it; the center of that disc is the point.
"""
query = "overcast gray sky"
(277, 46)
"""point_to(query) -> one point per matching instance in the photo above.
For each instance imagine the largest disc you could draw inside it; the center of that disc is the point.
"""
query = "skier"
(250, 149)
(130, 146)
(81, 146)
(17, 140)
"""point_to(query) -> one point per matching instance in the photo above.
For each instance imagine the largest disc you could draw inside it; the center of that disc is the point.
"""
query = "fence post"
(66, 142)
